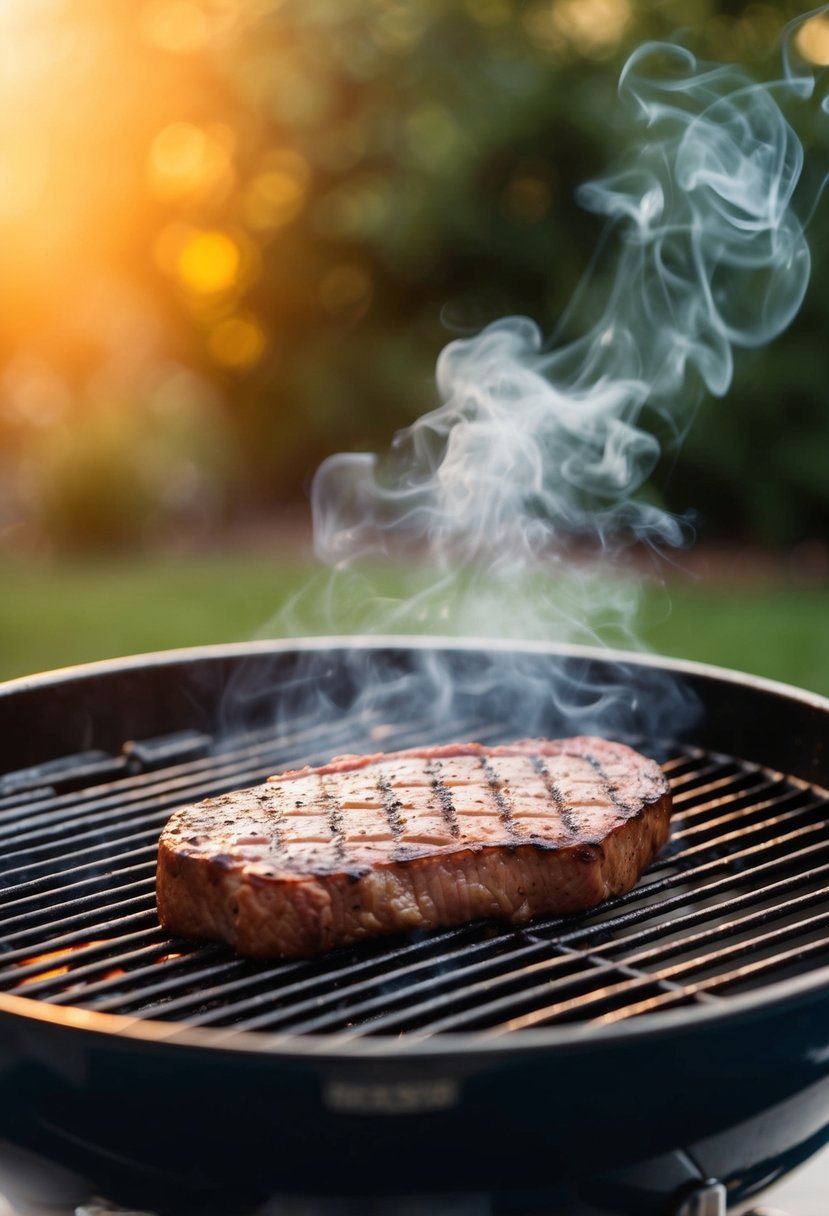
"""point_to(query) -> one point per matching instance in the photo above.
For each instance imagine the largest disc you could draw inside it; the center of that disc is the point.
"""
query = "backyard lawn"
(57, 614)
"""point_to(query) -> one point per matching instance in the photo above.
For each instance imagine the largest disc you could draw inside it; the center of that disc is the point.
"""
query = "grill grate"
(738, 899)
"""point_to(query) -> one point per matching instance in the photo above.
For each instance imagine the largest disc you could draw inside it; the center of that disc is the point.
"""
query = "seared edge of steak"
(289, 911)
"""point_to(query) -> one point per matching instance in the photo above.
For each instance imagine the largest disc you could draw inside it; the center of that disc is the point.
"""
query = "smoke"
(539, 449)
(531, 443)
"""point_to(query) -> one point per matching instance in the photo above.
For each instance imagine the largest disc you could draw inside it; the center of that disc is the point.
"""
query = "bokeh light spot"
(592, 28)
(185, 159)
(209, 262)
(276, 195)
(813, 40)
(399, 25)
(361, 207)
(179, 26)
(176, 157)
(237, 342)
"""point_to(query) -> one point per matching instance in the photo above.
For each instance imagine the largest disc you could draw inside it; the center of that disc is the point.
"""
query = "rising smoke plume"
(531, 443)
(534, 444)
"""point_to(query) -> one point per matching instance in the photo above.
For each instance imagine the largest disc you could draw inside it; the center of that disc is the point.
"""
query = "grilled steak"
(369, 845)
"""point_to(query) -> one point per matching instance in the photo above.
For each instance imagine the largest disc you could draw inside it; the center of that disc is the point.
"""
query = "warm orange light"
(237, 342)
(43, 975)
(24, 168)
(813, 40)
(178, 26)
(594, 28)
(185, 159)
(177, 155)
(52, 956)
(209, 262)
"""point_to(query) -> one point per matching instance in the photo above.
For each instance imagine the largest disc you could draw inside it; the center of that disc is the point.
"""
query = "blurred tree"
(282, 210)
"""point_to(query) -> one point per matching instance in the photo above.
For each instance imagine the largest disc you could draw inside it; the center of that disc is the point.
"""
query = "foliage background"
(235, 234)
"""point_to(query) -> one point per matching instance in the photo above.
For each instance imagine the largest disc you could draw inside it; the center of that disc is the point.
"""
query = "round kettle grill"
(664, 1055)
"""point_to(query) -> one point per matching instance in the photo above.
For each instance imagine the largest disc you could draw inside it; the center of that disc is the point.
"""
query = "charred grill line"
(392, 806)
(273, 803)
(501, 801)
(607, 785)
(335, 819)
(444, 797)
(557, 799)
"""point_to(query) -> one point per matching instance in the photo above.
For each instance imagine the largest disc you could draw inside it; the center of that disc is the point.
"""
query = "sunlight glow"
(209, 262)
(813, 40)
(186, 159)
(178, 26)
(593, 28)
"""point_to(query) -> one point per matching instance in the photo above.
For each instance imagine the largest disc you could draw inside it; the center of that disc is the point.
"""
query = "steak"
(370, 845)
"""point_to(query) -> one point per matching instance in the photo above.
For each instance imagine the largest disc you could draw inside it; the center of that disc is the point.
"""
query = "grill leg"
(707, 1200)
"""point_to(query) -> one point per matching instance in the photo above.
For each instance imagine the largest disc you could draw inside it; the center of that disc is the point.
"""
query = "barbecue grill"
(663, 1055)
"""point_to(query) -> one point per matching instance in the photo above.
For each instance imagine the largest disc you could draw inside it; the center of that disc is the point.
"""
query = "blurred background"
(234, 237)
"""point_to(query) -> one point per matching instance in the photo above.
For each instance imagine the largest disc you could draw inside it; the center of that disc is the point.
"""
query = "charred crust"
(503, 805)
(327, 893)
(556, 797)
(392, 806)
(444, 797)
(335, 819)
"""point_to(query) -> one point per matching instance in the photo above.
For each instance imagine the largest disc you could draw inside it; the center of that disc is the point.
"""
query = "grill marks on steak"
(369, 845)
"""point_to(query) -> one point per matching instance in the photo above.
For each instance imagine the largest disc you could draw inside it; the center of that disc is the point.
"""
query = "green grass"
(57, 614)
(781, 632)
(54, 615)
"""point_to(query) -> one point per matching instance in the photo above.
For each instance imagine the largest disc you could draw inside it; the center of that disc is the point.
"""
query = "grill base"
(671, 1186)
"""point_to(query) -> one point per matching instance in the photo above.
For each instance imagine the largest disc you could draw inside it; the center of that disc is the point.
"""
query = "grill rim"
(330, 643)
(121, 1029)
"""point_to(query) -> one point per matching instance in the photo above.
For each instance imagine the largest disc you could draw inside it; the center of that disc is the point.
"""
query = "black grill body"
(605, 1063)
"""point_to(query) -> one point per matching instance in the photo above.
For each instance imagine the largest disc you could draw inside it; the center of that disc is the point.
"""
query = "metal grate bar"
(73, 952)
(564, 1010)
(151, 951)
(461, 974)
(761, 968)
(52, 913)
(102, 854)
(319, 980)
(738, 811)
(364, 996)
(139, 898)
(236, 766)
(729, 779)
(45, 883)
(643, 896)
(756, 893)
(177, 970)
(234, 749)
(50, 838)
(616, 952)
(738, 896)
